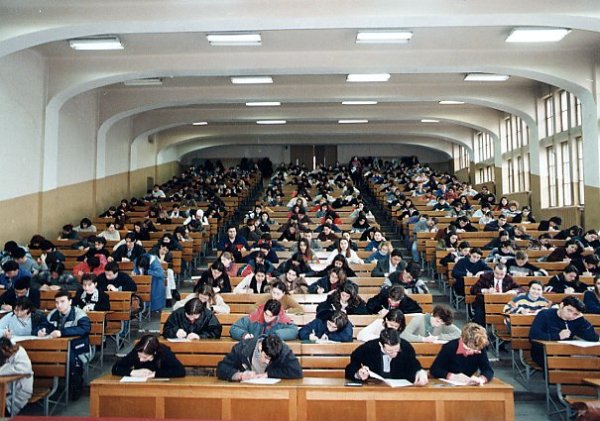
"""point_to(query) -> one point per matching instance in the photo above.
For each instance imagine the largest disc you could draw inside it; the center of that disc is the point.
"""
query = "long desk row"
(298, 400)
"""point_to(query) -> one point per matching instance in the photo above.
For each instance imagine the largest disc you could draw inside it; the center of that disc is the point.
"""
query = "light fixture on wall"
(429, 120)
(353, 121)
(450, 102)
(368, 77)
(271, 122)
(263, 104)
(485, 77)
(232, 40)
(359, 102)
(200, 123)
(523, 35)
(99, 43)
(383, 37)
(150, 81)
(250, 80)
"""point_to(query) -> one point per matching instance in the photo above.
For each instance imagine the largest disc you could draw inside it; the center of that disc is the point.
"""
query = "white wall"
(117, 147)
(143, 153)
(22, 99)
(77, 139)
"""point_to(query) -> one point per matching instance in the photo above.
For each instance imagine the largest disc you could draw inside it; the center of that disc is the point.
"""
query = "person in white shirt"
(394, 319)
(344, 249)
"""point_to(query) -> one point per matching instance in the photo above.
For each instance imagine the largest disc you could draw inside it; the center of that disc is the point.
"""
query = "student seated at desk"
(346, 299)
(21, 288)
(461, 358)
(114, 280)
(559, 324)
(149, 359)
(69, 321)
(23, 320)
(14, 361)
(566, 282)
(253, 283)
(389, 356)
(329, 325)
(207, 295)
(260, 357)
(437, 326)
(591, 298)
(278, 291)
(91, 298)
(330, 282)
(265, 320)
(390, 298)
(193, 321)
(394, 319)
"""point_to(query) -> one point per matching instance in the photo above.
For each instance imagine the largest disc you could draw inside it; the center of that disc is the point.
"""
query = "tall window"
(580, 185)
(524, 133)
(511, 176)
(551, 162)
(549, 115)
(507, 134)
(564, 110)
(577, 112)
(567, 198)
(520, 174)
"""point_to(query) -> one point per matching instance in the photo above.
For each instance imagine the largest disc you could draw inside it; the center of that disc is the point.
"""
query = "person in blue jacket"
(559, 324)
(148, 264)
(591, 298)
(331, 325)
(468, 266)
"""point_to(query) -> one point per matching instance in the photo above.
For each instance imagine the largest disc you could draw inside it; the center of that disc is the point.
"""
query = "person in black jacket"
(333, 280)
(273, 359)
(566, 282)
(390, 298)
(129, 251)
(389, 356)
(149, 359)
(340, 262)
(114, 280)
(216, 276)
(193, 321)
(344, 298)
(20, 289)
(91, 298)
(461, 358)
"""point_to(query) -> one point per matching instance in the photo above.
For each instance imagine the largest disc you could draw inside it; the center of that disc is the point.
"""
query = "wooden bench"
(50, 362)
(566, 367)
(117, 326)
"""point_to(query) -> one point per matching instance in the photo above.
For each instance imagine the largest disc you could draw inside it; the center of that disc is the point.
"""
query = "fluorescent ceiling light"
(450, 102)
(485, 77)
(96, 43)
(353, 121)
(233, 39)
(263, 104)
(151, 81)
(249, 80)
(383, 37)
(359, 102)
(537, 34)
(271, 122)
(429, 120)
(373, 77)
(200, 123)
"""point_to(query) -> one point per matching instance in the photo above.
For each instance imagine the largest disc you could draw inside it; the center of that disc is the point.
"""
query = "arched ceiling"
(308, 48)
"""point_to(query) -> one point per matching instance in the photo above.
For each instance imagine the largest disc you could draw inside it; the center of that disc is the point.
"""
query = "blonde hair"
(474, 336)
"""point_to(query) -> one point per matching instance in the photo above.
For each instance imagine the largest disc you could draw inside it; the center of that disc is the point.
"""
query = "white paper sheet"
(581, 344)
(129, 379)
(178, 340)
(266, 380)
(391, 382)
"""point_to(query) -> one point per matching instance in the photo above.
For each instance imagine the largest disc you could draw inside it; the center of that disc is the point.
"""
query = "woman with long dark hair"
(149, 359)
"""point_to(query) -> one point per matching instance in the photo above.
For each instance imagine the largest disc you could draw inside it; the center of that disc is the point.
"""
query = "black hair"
(272, 346)
(112, 267)
(273, 306)
(22, 283)
(194, 306)
(574, 302)
(10, 265)
(389, 336)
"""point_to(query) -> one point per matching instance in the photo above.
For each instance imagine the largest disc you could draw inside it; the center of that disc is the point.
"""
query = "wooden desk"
(193, 397)
(594, 382)
(4, 384)
(298, 400)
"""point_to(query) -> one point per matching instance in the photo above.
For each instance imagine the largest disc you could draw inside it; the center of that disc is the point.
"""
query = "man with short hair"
(20, 289)
(265, 320)
(386, 266)
(233, 243)
(559, 324)
(496, 282)
(69, 321)
(129, 251)
(388, 356)
(471, 266)
(262, 357)
(12, 272)
(114, 280)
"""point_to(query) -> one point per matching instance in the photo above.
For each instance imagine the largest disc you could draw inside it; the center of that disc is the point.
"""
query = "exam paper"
(266, 380)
